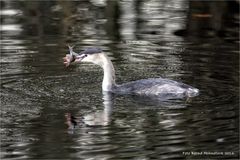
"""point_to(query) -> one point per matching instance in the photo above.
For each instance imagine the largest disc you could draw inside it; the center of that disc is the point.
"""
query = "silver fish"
(70, 58)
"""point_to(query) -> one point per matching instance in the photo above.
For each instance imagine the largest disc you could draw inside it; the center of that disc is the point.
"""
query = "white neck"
(109, 74)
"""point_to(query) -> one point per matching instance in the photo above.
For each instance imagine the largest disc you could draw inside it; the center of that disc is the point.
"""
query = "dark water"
(38, 93)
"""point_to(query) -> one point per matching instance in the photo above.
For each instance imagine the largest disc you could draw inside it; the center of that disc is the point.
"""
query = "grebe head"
(92, 55)
(96, 56)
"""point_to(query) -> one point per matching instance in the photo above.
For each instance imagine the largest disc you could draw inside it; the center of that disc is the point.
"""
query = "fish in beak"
(72, 57)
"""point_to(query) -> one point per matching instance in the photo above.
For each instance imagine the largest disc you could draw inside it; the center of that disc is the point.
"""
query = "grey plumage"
(91, 51)
(160, 87)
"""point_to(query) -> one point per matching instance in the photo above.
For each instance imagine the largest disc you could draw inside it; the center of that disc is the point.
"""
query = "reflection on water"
(52, 112)
(100, 118)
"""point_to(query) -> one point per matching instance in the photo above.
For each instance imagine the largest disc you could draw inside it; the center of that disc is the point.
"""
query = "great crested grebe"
(160, 87)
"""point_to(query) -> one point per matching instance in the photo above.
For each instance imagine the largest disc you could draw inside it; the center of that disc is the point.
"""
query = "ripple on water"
(40, 88)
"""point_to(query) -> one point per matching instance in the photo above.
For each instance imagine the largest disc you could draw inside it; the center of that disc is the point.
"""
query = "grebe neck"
(109, 74)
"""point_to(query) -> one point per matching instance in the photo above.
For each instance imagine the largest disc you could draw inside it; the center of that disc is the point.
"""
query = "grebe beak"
(79, 58)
